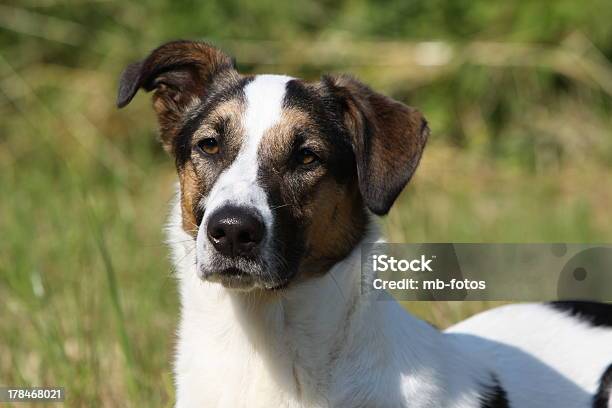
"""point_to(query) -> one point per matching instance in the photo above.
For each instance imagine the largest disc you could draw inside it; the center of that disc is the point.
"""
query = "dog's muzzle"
(235, 236)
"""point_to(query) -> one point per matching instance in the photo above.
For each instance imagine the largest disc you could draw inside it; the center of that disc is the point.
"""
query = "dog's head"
(277, 174)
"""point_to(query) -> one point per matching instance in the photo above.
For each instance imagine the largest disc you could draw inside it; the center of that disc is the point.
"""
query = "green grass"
(519, 106)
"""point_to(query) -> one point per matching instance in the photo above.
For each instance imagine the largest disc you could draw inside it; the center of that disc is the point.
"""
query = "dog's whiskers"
(280, 206)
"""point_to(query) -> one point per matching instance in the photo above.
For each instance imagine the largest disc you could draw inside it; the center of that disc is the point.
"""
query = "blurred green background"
(518, 96)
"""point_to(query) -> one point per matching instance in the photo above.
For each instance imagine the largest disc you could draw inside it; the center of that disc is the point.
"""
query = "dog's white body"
(321, 342)
(318, 347)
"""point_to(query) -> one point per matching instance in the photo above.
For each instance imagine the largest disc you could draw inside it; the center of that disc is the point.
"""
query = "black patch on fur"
(601, 398)
(494, 396)
(326, 114)
(594, 313)
(182, 143)
(289, 242)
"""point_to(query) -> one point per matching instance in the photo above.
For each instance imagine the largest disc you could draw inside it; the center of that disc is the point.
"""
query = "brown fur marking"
(332, 214)
(199, 174)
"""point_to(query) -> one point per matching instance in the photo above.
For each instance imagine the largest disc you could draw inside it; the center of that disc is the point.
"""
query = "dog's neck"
(302, 329)
(301, 336)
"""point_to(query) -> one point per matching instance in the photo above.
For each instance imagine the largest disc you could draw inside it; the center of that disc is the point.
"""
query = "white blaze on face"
(238, 185)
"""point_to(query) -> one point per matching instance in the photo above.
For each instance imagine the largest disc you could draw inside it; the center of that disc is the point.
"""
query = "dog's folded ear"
(387, 136)
(179, 72)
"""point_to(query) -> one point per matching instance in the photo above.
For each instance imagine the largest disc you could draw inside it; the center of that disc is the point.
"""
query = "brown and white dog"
(279, 180)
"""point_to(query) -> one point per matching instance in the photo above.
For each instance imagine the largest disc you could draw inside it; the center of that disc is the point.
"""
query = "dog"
(280, 181)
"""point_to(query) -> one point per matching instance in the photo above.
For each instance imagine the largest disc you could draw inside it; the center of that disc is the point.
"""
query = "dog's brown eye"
(209, 146)
(306, 156)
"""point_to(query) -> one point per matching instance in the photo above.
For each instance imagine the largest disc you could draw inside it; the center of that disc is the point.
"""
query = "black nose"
(235, 231)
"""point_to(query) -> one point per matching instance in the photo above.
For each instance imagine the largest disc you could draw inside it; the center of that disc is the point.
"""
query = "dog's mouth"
(232, 278)
(242, 273)
(239, 279)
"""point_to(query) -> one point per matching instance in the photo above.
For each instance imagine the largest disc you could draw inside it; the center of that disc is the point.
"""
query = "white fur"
(321, 344)
(324, 343)
(551, 358)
